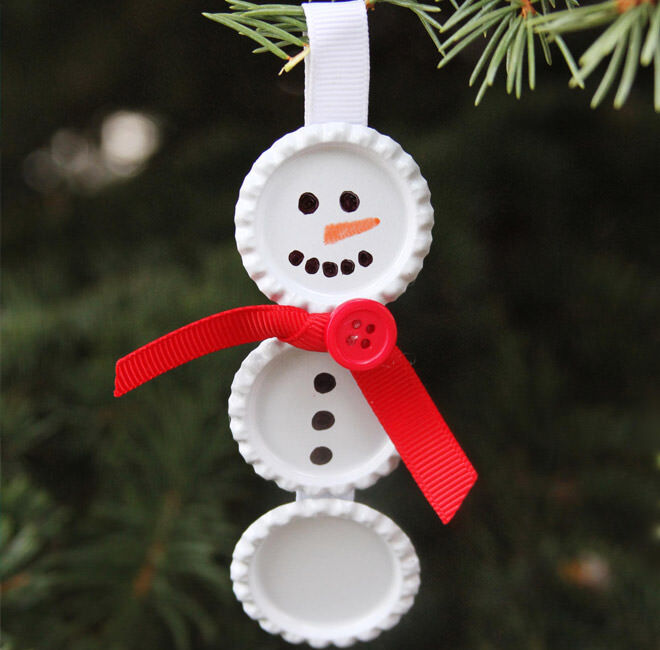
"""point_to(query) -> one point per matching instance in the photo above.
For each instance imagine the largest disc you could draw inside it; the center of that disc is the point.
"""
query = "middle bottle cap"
(300, 419)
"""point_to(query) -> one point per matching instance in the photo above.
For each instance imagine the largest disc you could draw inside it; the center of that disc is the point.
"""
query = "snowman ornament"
(332, 222)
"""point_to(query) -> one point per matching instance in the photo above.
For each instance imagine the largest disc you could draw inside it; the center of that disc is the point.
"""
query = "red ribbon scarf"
(392, 389)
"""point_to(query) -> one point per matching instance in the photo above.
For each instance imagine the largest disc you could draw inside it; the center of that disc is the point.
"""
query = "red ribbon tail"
(421, 436)
(223, 330)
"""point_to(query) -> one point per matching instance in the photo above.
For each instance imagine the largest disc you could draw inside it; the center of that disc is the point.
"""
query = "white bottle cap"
(300, 419)
(332, 212)
(325, 571)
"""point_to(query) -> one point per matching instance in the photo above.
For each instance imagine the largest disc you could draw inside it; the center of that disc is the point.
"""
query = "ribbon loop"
(337, 66)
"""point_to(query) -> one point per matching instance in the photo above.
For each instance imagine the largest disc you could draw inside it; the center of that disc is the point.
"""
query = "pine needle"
(610, 73)
(570, 61)
(500, 53)
(466, 41)
(516, 59)
(656, 80)
(652, 42)
(531, 58)
(630, 66)
(487, 52)
(295, 60)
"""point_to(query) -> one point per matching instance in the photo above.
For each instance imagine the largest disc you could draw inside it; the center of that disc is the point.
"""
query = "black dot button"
(324, 382)
(322, 420)
(320, 456)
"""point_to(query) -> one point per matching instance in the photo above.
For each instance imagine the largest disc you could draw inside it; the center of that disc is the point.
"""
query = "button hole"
(365, 343)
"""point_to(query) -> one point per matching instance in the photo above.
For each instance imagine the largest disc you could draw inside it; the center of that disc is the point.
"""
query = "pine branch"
(512, 40)
(31, 522)
(276, 26)
(511, 28)
(147, 557)
(271, 26)
(632, 31)
(148, 554)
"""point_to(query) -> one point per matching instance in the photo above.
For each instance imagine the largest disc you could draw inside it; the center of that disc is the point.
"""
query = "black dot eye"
(307, 203)
(349, 201)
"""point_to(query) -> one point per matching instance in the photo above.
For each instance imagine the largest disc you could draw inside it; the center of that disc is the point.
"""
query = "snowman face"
(300, 419)
(333, 212)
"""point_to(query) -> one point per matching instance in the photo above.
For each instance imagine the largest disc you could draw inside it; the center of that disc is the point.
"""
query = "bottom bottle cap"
(325, 571)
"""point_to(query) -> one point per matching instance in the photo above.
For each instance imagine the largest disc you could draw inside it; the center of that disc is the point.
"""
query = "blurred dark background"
(129, 127)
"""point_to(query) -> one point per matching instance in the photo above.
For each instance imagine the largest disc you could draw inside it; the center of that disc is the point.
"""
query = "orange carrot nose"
(334, 232)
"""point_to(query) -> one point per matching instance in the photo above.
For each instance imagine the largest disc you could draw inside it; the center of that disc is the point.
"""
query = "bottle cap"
(332, 212)
(325, 571)
(300, 419)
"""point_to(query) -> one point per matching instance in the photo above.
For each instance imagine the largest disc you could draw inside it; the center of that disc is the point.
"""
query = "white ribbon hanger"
(337, 67)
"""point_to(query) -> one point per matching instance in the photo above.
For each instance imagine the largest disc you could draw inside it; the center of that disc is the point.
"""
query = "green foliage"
(633, 30)
(252, 20)
(30, 524)
(275, 26)
(513, 31)
(149, 545)
(513, 40)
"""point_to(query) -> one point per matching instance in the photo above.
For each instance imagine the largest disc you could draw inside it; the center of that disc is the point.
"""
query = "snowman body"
(330, 213)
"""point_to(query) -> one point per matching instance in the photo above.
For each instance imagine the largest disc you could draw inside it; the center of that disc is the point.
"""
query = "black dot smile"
(330, 269)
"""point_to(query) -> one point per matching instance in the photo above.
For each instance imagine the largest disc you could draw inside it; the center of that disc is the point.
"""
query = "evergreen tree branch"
(632, 28)
(511, 28)
(275, 26)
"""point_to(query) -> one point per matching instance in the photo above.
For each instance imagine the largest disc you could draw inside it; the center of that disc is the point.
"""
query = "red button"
(361, 334)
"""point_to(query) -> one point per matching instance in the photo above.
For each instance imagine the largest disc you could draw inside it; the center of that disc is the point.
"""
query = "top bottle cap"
(333, 212)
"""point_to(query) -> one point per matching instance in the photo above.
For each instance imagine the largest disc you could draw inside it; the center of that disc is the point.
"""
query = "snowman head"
(333, 212)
